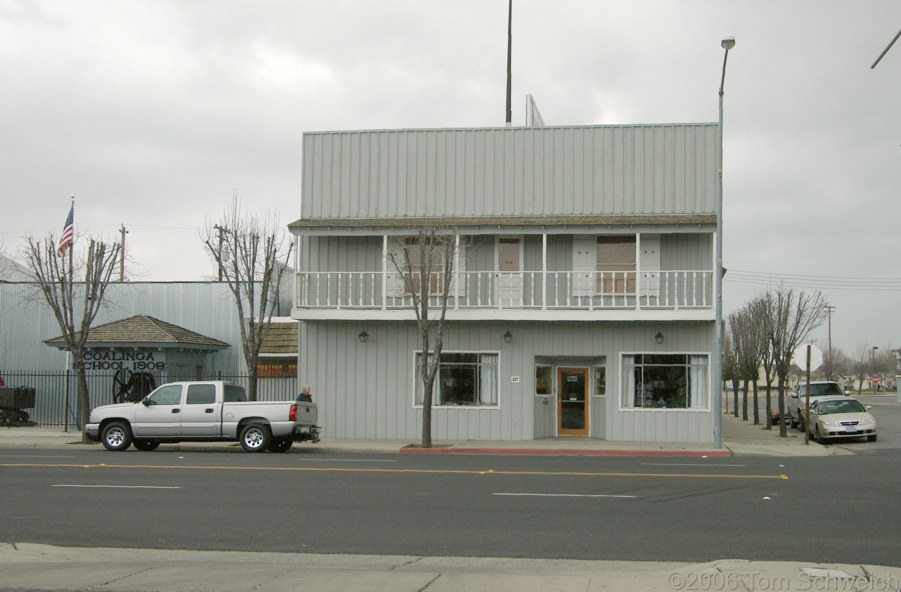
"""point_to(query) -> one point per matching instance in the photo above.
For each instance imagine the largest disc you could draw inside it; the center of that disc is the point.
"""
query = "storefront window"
(665, 381)
(464, 379)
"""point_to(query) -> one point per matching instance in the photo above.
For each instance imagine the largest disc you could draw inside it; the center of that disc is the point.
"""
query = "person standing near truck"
(306, 395)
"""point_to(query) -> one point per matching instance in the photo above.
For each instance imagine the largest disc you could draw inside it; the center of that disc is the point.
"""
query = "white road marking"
(564, 495)
(116, 486)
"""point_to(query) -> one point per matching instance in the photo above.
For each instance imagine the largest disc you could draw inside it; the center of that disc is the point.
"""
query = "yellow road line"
(396, 471)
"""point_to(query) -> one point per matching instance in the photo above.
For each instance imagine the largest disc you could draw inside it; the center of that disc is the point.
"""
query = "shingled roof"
(279, 339)
(146, 332)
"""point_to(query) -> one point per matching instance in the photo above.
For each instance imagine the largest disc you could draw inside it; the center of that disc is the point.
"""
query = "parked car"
(797, 401)
(840, 417)
(203, 412)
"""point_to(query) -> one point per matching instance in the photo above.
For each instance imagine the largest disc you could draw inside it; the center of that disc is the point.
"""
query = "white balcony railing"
(554, 290)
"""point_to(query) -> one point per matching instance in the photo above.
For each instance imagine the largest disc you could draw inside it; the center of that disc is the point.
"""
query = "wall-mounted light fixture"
(363, 336)
(659, 338)
(508, 337)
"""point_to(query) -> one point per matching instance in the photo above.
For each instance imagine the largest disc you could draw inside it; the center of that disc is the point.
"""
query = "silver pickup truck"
(203, 412)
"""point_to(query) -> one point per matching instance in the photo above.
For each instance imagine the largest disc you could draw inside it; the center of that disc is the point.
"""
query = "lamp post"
(727, 44)
(873, 381)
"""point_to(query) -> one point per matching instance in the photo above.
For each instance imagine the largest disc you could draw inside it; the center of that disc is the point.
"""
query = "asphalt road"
(830, 509)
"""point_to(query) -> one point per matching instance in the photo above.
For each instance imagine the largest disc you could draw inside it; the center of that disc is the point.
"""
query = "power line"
(821, 282)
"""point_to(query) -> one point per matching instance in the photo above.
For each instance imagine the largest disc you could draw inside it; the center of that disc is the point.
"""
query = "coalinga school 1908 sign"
(136, 361)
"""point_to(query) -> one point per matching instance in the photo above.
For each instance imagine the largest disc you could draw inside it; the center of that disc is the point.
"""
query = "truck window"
(201, 394)
(234, 394)
(166, 395)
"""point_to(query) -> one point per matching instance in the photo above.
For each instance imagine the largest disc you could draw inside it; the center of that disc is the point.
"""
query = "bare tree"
(862, 364)
(425, 264)
(788, 319)
(767, 360)
(72, 300)
(749, 348)
(252, 259)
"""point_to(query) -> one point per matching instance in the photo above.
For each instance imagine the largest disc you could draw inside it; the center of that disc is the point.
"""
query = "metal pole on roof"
(509, 63)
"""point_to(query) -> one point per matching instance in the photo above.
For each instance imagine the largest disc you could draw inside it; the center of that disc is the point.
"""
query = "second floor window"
(410, 257)
(616, 264)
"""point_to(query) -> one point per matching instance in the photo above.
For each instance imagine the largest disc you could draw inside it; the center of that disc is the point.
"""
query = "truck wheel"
(146, 445)
(255, 437)
(116, 436)
(282, 445)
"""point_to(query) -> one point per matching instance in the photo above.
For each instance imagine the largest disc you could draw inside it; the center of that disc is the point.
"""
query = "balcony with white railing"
(530, 294)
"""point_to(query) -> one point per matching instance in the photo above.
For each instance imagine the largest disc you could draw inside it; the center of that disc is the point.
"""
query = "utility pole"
(829, 309)
(122, 254)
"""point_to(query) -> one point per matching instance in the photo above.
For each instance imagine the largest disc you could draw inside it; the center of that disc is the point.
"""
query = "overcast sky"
(152, 112)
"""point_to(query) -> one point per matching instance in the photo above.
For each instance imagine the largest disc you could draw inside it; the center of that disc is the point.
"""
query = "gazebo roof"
(142, 331)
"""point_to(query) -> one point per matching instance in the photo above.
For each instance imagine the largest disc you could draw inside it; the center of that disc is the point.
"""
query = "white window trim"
(619, 376)
(594, 378)
(416, 379)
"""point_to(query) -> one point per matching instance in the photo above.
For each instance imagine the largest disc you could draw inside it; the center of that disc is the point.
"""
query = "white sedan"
(840, 417)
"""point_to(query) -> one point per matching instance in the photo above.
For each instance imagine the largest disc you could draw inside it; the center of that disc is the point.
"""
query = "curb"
(568, 452)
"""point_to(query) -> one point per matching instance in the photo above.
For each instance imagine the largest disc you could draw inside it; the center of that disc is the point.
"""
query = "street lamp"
(727, 44)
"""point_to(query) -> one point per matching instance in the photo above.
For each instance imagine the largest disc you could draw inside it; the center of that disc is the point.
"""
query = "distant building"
(10, 271)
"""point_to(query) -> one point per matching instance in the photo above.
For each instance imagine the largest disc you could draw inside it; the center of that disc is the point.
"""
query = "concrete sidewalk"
(741, 438)
(42, 567)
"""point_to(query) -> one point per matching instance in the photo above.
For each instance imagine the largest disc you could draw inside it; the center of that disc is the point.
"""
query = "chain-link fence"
(56, 393)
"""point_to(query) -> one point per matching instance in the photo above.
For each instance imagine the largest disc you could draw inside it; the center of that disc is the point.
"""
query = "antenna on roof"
(533, 116)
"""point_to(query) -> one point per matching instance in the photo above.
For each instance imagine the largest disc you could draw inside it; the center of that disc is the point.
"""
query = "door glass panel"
(542, 380)
(572, 400)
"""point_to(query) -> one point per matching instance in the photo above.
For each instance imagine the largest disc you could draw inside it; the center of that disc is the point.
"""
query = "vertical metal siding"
(649, 169)
(365, 390)
(205, 307)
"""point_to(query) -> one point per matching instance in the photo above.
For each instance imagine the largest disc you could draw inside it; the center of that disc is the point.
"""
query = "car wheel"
(281, 445)
(146, 445)
(871, 437)
(116, 436)
(817, 436)
(255, 437)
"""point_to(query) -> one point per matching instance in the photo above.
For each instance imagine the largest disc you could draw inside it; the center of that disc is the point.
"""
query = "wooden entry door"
(572, 401)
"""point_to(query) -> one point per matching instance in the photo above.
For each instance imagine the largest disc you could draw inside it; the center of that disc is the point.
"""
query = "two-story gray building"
(583, 291)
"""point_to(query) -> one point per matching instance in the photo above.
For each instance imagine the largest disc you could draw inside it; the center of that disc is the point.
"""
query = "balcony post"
(543, 271)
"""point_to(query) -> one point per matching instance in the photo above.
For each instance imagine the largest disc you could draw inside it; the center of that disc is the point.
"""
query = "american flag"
(65, 241)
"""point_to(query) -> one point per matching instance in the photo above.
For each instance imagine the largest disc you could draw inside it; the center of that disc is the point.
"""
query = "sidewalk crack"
(432, 581)
(408, 563)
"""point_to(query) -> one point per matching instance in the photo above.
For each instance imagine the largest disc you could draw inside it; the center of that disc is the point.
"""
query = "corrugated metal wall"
(365, 390)
(642, 169)
(205, 307)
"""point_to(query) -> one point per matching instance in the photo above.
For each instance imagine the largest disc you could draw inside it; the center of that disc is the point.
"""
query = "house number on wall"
(514, 379)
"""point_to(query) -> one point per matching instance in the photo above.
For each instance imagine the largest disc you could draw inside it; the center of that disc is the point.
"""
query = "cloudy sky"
(153, 112)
